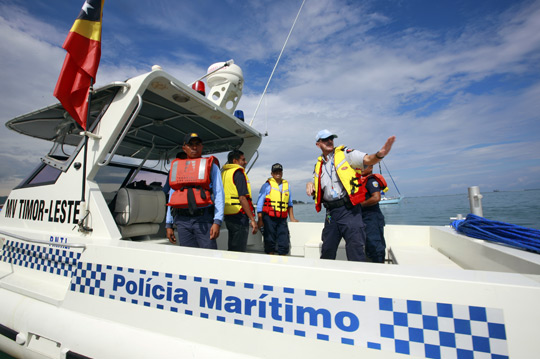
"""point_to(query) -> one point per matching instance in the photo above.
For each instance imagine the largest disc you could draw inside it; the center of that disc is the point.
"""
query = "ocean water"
(515, 207)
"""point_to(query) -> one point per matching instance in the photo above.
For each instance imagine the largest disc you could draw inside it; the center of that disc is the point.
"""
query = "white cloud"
(462, 104)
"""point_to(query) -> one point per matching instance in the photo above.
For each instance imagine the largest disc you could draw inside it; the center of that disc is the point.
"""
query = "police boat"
(87, 272)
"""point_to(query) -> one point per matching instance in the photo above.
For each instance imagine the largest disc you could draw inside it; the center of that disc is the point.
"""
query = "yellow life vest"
(350, 178)
(232, 199)
(276, 202)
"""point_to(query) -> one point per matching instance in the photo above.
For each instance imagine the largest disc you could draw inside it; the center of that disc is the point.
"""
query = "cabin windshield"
(41, 176)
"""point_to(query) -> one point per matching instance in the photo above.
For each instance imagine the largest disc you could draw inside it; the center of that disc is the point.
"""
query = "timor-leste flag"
(83, 46)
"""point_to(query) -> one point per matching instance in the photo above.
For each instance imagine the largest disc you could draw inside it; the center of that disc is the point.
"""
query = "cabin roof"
(159, 127)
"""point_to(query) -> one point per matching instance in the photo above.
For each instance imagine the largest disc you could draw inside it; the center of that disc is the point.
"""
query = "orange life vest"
(190, 178)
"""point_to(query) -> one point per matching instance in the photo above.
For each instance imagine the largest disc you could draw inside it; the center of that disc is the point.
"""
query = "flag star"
(86, 6)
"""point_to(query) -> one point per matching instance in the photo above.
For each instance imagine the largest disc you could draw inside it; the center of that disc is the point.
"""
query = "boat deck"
(415, 246)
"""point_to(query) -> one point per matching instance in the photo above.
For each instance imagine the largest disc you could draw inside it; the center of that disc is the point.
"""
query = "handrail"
(255, 160)
(143, 162)
(113, 84)
(228, 63)
(30, 240)
(124, 133)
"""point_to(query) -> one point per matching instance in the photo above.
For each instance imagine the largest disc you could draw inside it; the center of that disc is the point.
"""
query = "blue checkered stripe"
(88, 278)
(442, 330)
(50, 259)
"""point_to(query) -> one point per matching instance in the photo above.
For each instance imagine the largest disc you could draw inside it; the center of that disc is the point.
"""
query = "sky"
(457, 82)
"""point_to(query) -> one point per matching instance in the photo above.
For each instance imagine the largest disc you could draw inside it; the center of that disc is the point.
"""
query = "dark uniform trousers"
(346, 223)
(276, 232)
(194, 231)
(238, 227)
(375, 243)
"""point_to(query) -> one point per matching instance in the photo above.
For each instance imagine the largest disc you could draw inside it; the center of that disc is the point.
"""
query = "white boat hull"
(139, 300)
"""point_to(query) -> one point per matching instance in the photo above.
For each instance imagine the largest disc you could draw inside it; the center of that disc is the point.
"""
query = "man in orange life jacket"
(197, 210)
(239, 215)
(337, 185)
(273, 206)
(372, 215)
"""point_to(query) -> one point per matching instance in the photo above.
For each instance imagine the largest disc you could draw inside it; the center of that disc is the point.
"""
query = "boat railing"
(255, 160)
(142, 162)
(124, 133)
(37, 241)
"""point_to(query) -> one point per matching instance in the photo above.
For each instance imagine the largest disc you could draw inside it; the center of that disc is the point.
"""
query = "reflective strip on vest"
(202, 168)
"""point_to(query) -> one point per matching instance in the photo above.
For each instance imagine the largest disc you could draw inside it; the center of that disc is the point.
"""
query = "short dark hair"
(234, 155)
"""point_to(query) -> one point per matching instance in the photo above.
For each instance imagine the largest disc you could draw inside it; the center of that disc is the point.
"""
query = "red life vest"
(379, 178)
(190, 178)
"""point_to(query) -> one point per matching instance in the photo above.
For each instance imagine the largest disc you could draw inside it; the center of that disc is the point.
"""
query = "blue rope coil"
(510, 234)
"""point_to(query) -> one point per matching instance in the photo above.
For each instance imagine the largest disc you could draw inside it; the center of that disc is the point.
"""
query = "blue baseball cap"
(324, 134)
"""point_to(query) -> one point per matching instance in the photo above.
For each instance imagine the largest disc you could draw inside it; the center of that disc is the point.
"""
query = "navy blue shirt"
(372, 186)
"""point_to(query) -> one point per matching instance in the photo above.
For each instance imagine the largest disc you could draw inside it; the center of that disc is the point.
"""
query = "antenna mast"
(275, 66)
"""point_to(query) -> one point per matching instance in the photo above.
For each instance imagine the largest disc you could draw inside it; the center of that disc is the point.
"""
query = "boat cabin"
(134, 130)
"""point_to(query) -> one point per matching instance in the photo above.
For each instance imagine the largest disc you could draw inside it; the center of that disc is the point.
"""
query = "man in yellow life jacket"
(239, 215)
(372, 215)
(337, 185)
(274, 205)
(196, 199)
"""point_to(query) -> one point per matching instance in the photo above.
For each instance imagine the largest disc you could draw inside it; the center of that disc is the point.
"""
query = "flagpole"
(83, 195)
(82, 227)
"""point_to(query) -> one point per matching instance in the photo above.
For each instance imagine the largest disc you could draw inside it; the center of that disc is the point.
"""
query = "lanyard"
(331, 175)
